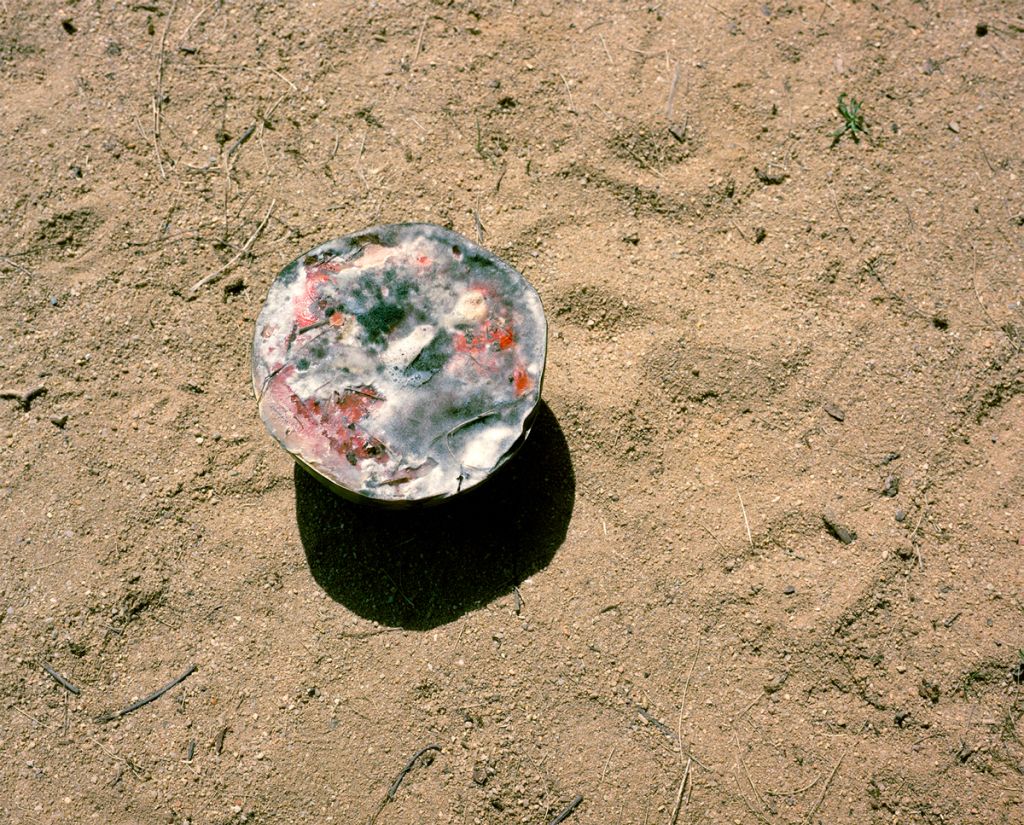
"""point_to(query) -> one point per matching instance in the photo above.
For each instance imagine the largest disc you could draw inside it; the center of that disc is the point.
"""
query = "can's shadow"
(420, 568)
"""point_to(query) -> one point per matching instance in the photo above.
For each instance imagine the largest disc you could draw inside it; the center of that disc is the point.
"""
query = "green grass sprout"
(853, 119)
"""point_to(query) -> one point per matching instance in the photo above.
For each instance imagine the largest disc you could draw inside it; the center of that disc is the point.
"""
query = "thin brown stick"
(408, 767)
(679, 796)
(835, 203)
(913, 535)
(672, 94)
(568, 92)
(158, 95)
(280, 76)
(61, 560)
(390, 795)
(646, 55)
(984, 309)
(567, 811)
(797, 791)
(419, 41)
(24, 398)
(264, 120)
(746, 523)
(824, 790)
(152, 697)
(724, 14)
(717, 540)
(746, 710)
(131, 765)
(30, 718)
(757, 814)
(12, 263)
(192, 22)
(480, 229)
(59, 679)
(213, 277)
(686, 687)
(746, 773)
(241, 139)
(607, 762)
(334, 151)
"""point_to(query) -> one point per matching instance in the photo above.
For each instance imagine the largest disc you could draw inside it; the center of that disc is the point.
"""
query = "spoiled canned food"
(400, 364)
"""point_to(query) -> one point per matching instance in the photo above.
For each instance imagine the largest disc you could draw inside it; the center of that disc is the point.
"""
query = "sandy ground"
(753, 331)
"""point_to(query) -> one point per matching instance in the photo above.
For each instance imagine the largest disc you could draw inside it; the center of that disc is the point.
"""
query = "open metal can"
(400, 364)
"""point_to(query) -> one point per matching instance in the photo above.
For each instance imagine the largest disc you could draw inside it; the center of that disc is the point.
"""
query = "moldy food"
(399, 364)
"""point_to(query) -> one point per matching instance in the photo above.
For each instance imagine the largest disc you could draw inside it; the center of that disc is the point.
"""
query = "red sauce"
(308, 306)
(335, 420)
(521, 380)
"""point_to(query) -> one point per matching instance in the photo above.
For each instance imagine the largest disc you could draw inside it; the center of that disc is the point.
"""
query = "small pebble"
(981, 29)
(789, 590)
(836, 412)
(845, 534)
(954, 127)
(930, 691)
(59, 421)
(901, 516)
(892, 487)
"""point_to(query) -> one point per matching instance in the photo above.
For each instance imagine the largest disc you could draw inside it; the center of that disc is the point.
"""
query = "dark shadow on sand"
(420, 568)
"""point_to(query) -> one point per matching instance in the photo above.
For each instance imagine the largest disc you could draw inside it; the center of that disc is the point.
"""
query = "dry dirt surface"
(760, 561)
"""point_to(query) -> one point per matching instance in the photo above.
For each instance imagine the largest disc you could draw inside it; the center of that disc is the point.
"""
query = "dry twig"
(158, 95)
(419, 41)
(984, 309)
(390, 795)
(835, 204)
(746, 523)
(567, 812)
(59, 679)
(607, 762)
(12, 263)
(824, 790)
(672, 94)
(24, 398)
(152, 697)
(679, 796)
(568, 92)
(686, 687)
(213, 277)
(131, 765)
(192, 22)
